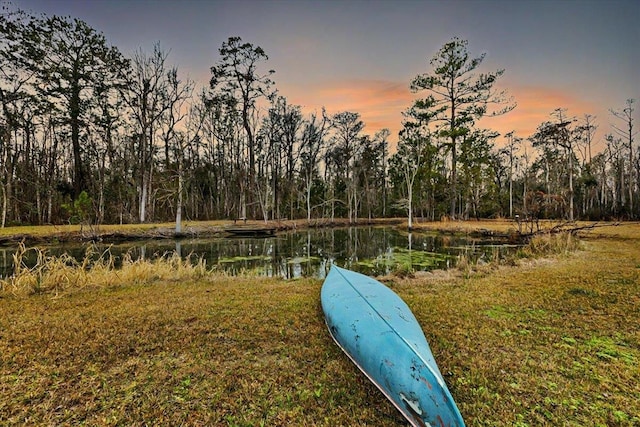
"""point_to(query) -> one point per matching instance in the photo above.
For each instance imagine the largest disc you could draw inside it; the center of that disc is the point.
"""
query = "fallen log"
(571, 227)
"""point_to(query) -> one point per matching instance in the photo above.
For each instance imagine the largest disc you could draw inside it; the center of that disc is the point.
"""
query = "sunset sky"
(361, 55)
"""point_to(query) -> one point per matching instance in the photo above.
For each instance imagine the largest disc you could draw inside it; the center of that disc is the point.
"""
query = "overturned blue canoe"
(380, 334)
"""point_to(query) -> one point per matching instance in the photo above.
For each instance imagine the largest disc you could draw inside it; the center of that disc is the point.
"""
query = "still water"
(308, 253)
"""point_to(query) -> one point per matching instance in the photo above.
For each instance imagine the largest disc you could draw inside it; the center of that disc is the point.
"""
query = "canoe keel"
(379, 333)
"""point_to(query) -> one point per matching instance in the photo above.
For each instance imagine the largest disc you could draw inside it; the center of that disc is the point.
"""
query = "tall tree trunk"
(570, 185)
(308, 200)
(179, 201)
(454, 178)
(410, 207)
(630, 179)
(79, 182)
(5, 200)
(143, 199)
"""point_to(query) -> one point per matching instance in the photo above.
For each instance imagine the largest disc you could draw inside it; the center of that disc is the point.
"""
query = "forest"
(90, 135)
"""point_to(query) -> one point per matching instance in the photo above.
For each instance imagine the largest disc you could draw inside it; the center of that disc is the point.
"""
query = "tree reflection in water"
(308, 253)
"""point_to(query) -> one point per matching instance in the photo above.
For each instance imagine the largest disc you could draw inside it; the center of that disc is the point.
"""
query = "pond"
(308, 253)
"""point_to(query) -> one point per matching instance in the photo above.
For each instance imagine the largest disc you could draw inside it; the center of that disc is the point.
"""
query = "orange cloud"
(380, 103)
(534, 106)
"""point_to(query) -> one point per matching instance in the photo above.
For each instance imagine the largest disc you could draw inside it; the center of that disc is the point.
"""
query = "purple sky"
(361, 55)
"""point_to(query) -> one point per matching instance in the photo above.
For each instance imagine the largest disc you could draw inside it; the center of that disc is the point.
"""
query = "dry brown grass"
(59, 274)
(499, 225)
(188, 227)
(221, 351)
(547, 342)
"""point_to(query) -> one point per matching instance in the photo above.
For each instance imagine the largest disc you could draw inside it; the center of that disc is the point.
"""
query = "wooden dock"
(250, 231)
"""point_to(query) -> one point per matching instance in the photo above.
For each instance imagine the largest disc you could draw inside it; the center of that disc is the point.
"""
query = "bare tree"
(312, 147)
(16, 34)
(413, 148)
(627, 134)
(559, 134)
(513, 143)
(615, 156)
(236, 75)
(585, 132)
(381, 137)
(347, 127)
(146, 97)
(177, 95)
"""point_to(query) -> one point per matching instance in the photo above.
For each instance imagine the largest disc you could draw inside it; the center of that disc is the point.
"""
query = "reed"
(550, 244)
(543, 245)
(59, 274)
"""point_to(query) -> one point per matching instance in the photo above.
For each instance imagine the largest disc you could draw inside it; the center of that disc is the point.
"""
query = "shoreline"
(118, 233)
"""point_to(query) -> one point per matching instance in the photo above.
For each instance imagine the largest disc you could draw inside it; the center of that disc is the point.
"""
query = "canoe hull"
(380, 334)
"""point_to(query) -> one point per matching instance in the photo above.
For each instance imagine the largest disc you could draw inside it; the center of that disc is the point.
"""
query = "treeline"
(88, 134)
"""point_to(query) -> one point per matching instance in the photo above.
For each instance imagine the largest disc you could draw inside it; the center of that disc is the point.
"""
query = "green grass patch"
(499, 312)
(404, 260)
(608, 349)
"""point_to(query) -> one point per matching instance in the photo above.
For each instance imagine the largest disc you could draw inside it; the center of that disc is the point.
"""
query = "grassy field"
(545, 341)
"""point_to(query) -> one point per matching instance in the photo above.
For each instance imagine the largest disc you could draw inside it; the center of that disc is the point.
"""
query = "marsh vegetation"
(375, 250)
